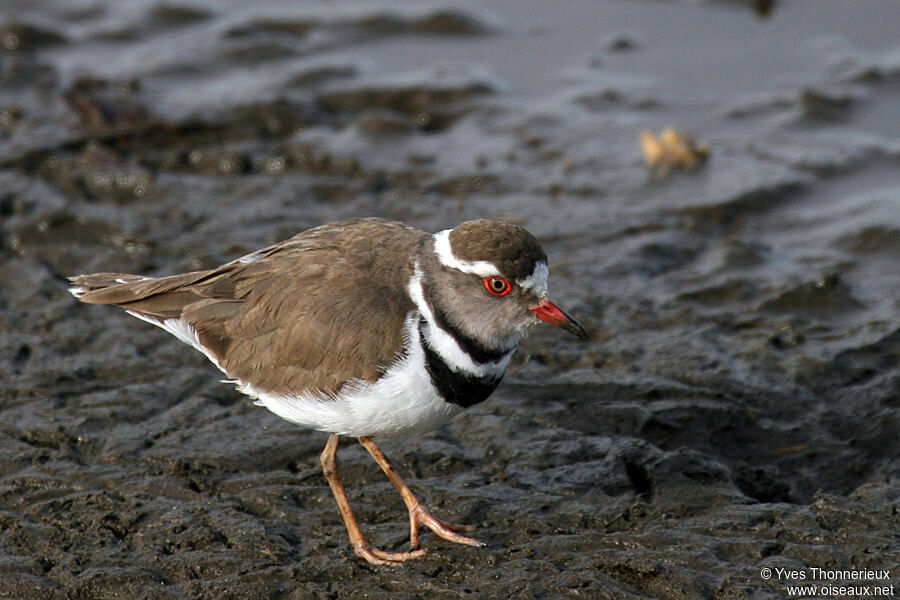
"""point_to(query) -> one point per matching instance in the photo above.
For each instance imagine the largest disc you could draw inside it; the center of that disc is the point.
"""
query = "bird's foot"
(377, 556)
(419, 515)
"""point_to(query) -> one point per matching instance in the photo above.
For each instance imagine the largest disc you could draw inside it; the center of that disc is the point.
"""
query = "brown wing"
(308, 313)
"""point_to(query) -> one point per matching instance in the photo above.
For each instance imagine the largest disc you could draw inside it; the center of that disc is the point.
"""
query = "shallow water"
(736, 407)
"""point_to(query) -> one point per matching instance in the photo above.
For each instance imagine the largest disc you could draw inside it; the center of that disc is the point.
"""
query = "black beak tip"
(576, 329)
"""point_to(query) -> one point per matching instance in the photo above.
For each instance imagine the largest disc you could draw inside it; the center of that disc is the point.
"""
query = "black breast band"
(462, 389)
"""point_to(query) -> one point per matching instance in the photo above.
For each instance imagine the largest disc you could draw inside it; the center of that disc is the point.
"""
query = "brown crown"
(510, 247)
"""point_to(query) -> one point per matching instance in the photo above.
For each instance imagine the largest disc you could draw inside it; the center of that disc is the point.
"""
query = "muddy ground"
(736, 408)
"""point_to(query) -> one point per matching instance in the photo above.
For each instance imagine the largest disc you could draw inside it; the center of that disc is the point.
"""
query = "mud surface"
(736, 408)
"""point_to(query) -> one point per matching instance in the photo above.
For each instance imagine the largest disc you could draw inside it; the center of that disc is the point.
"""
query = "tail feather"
(159, 296)
(87, 288)
(162, 301)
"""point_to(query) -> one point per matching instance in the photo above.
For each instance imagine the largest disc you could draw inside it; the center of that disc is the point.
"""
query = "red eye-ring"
(498, 286)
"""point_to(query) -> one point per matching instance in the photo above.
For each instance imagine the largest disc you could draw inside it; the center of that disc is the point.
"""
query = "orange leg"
(362, 549)
(418, 514)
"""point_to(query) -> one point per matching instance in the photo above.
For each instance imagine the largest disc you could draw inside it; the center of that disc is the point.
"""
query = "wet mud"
(736, 408)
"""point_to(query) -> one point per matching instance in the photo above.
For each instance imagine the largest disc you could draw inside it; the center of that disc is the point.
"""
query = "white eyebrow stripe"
(537, 281)
(444, 252)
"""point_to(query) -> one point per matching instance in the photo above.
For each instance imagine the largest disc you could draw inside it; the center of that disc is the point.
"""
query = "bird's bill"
(547, 311)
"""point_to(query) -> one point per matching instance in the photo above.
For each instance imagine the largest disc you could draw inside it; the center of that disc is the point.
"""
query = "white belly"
(402, 402)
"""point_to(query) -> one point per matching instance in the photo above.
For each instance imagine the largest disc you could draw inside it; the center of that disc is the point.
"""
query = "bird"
(365, 328)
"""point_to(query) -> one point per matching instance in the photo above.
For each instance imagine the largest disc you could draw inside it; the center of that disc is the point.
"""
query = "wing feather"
(311, 313)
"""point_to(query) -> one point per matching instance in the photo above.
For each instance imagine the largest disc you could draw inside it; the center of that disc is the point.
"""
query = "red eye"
(497, 286)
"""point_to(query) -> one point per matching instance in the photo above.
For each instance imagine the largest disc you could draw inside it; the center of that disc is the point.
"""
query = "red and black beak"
(547, 311)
